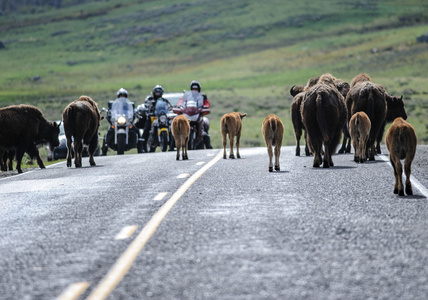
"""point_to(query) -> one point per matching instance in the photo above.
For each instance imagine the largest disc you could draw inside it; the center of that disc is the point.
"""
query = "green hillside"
(246, 54)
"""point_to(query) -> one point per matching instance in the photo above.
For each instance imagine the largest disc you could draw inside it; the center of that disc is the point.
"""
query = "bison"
(401, 143)
(323, 114)
(180, 130)
(359, 129)
(81, 121)
(231, 124)
(273, 131)
(22, 128)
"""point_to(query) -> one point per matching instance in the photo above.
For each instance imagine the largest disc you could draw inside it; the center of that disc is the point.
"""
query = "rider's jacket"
(155, 107)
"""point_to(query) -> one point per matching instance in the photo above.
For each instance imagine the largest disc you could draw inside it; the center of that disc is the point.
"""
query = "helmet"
(195, 85)
(157, 91)
(123, 92)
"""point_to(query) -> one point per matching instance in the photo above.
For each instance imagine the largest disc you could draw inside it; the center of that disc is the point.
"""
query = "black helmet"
(121, 92)
(157, 91)
(195, 85)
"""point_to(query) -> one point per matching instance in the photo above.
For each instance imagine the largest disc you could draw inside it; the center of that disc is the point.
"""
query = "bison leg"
(238, 137)
(69, 152)
(78, 147)
(297, 135)
(184, 148)
(223, 134)
(398, 174)
(407, 171)
(270, 154)
(277, 154)
(91, 150)
(231, 138)
(19, 155)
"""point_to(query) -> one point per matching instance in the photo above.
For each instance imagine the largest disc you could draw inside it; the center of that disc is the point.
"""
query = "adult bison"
(22, 128)
(81, 121)
(323, 115)
(373, 99)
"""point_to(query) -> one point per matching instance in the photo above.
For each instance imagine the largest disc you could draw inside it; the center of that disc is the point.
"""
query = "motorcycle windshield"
(122, 107)
(161, 108)
(193, 99)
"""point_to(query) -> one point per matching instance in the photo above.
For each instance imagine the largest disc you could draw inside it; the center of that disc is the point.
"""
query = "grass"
(246, 54)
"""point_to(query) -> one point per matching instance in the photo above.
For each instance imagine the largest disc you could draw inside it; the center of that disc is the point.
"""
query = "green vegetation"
(246, 54)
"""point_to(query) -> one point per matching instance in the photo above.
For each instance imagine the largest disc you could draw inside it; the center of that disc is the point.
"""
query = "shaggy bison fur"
(81, 121)
(273, 132)
(180, 130)
(231, 124)
(22, 128)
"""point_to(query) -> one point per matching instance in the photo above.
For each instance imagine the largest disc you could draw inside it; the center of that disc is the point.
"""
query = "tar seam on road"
(414, 181)
(124, 263)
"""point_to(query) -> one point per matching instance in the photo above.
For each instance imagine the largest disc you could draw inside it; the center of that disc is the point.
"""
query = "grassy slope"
(246, 54)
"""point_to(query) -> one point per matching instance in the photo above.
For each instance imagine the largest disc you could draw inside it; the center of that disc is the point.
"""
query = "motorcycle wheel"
(121, 140)
(164, 141)
(192, 137)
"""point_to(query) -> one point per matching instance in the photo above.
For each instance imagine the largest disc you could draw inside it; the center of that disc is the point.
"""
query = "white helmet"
(122, 91)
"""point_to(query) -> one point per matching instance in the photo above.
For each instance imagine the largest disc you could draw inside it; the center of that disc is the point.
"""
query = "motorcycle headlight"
(162, 119)
(121, 120)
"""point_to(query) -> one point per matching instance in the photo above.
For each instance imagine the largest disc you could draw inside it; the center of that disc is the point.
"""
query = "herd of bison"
(323, 109)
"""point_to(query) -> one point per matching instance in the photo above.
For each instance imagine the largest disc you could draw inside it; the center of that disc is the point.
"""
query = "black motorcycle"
(121, 136)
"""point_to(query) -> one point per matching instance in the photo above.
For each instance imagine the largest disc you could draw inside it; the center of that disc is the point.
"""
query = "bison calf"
(81, 121)
(180, 130)
(231, 124)
(273, 131)
(401, 143)
(359, 130)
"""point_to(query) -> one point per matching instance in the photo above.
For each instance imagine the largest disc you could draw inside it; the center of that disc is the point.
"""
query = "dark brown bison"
(298, 93)
(401, 142)
(6, 162)
(394, 109)
(81, 121)
(22, 128)
(231, 124)
(323, 115)
(273, 132)
(377, 104)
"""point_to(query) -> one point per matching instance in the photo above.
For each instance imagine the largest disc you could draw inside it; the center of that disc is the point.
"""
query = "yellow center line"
(124, 263)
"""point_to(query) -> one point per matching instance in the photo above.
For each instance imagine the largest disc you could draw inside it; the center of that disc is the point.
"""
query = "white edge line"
(416, 183)
(74, 291)
(124, 263)
(160, 196)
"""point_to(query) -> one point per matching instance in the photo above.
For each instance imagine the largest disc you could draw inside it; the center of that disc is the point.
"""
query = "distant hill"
(246, 54)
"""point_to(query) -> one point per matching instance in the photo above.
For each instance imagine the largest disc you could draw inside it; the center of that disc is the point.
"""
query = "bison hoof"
(238, 156)
(401, 193)
(395, 191)
(270, 169)
(362, 160)
(276, 168)
(224, 156)
(409, 190)
(232, 156)
(177, 158)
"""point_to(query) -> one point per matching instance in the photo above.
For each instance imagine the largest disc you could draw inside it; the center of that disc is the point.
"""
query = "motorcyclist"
(154, 104)
(121, 100)
(195, 87)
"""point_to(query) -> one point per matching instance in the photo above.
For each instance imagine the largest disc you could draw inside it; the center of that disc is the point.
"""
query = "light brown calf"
(180, 130)
(359, 130)
(231, 124)
(401, 143)
(273, 131)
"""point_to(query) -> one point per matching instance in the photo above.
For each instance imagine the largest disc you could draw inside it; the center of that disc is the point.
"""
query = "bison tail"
(322, 123)
(70, 118)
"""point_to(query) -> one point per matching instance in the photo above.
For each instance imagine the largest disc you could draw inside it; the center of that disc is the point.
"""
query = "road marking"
(416, 183)
(211, 154)
(126, 232)
(74, 291)
(160, 196)
(200, 163)
(124, 263)
(184, 175)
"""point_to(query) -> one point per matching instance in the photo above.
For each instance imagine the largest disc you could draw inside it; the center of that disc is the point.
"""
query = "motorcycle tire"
(164, 141)
(121, 141)
(192, 137)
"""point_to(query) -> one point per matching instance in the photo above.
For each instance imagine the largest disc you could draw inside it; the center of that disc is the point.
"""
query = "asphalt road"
(210, 228)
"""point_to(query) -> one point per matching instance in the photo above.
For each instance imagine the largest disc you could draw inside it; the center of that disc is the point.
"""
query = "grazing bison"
(359, 130)
(22, 128)
(273, 131)
(81, 121)
(401, 142)
(180, 130)
(231, 124)
(323, 115)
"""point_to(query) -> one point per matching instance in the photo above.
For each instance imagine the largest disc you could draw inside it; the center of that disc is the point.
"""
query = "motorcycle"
(121, 135)
(160, 128)
(194, 110)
